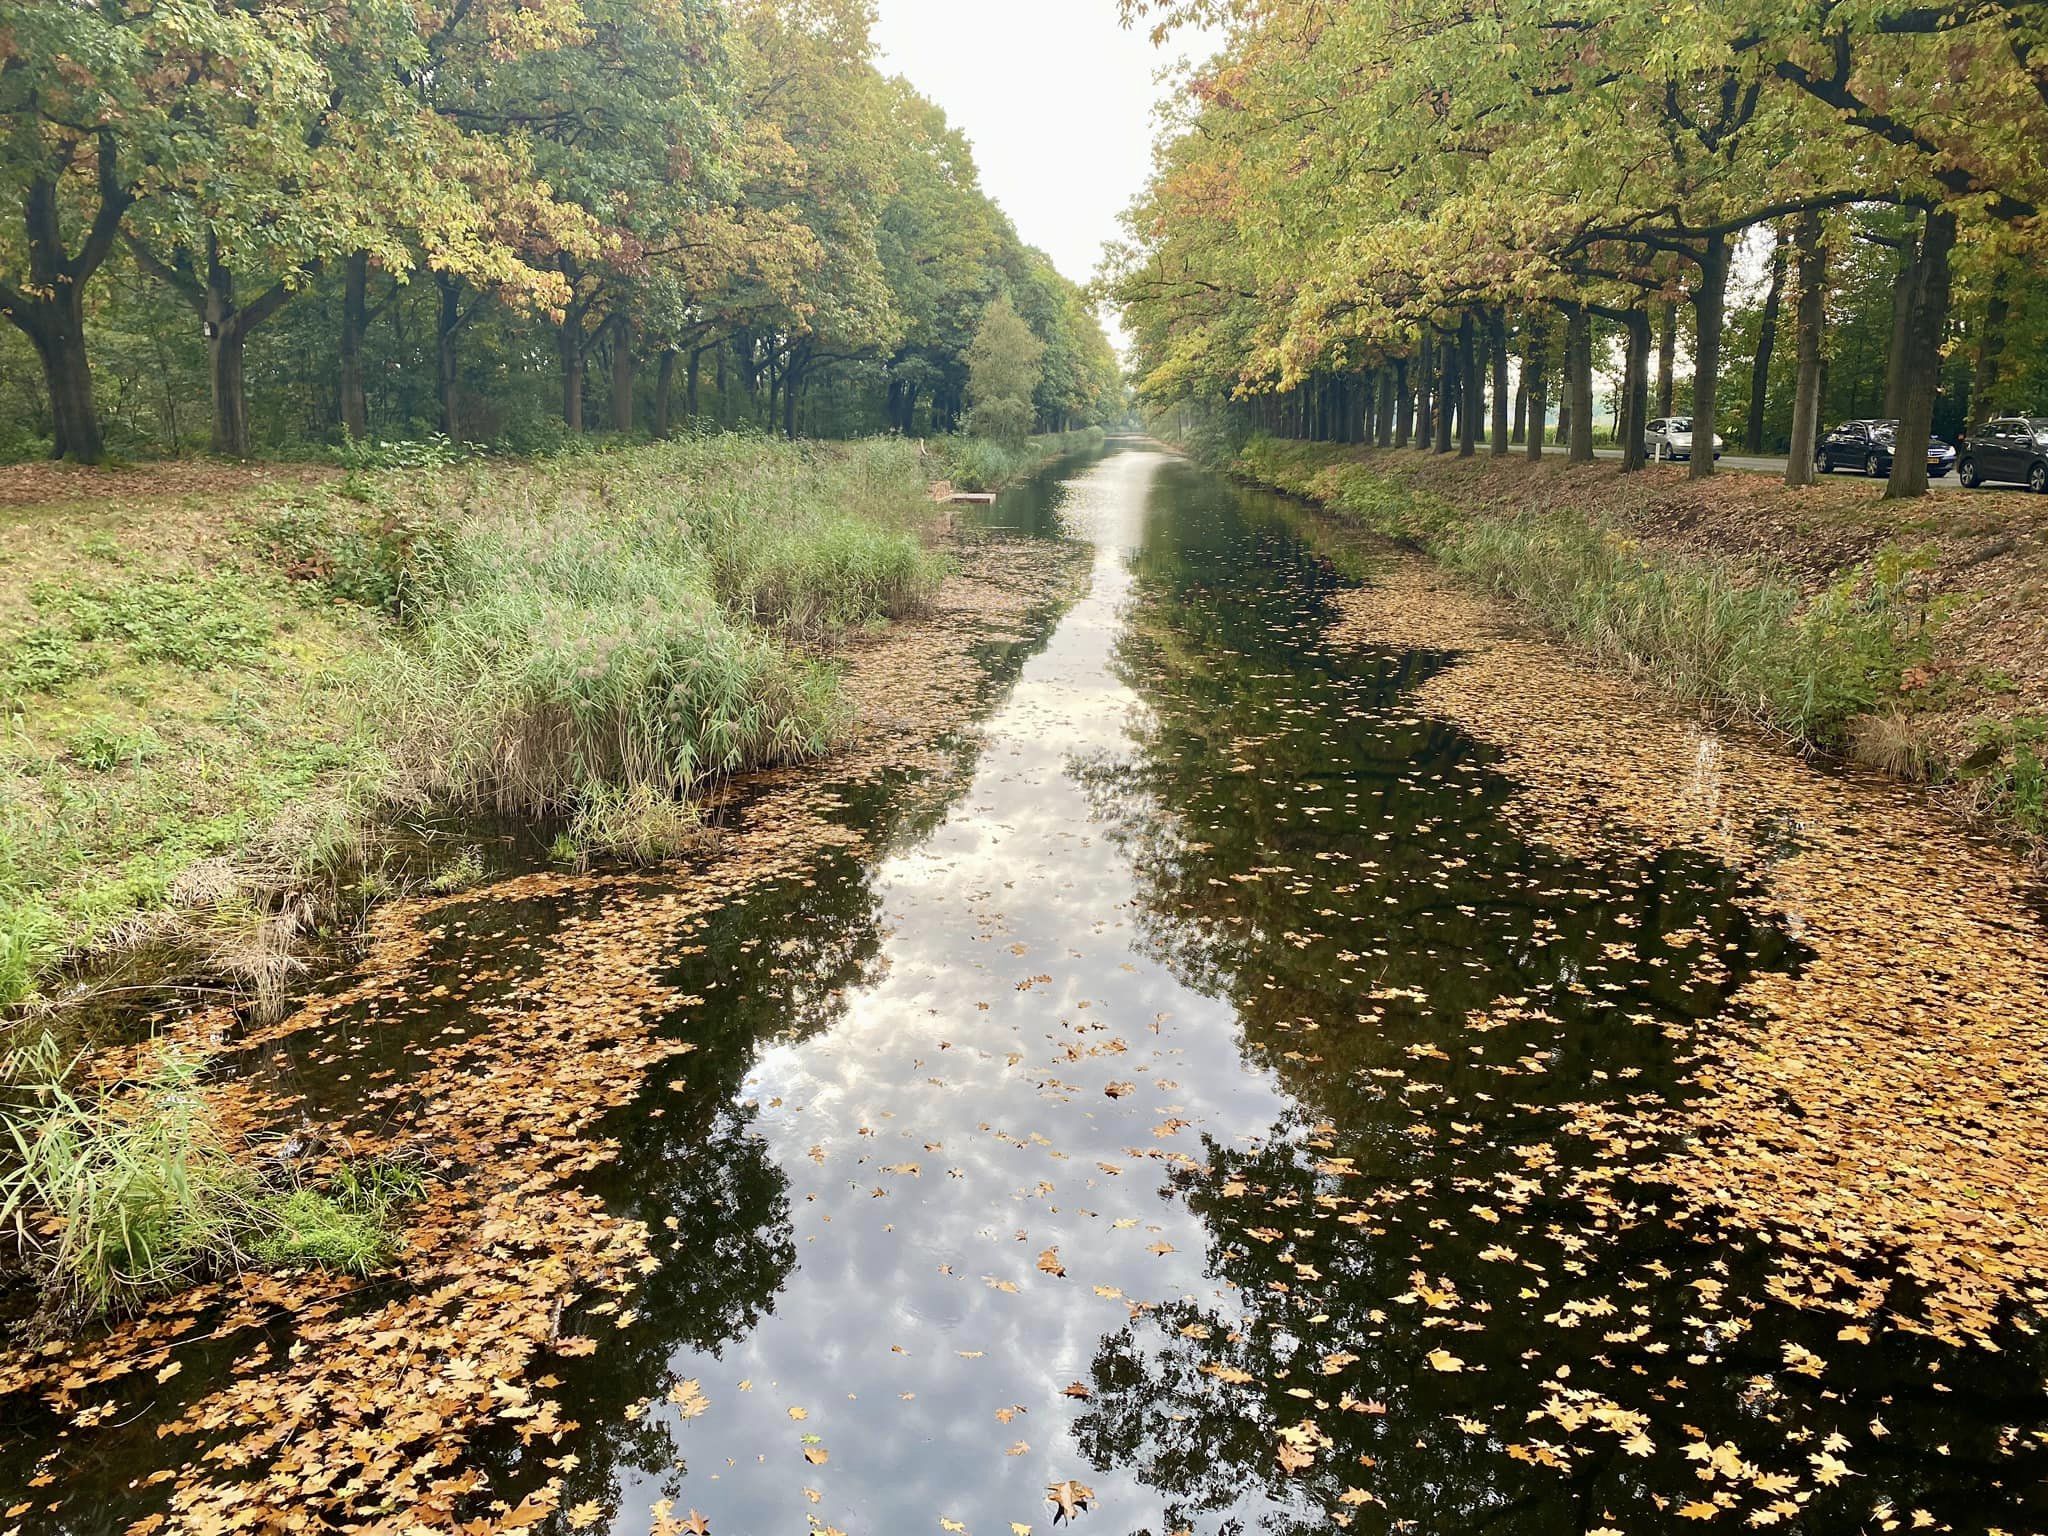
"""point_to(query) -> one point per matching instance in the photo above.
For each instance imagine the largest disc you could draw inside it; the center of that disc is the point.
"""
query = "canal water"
(1178, 1126)
(1181, 1112)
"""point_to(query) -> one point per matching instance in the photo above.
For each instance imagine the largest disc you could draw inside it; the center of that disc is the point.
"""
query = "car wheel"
(1967, 473)
(2037, 479)
(1822, 464)
(1870, 467)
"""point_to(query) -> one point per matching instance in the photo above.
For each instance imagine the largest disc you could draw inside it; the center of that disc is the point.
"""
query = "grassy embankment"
(1902, 635)
(225, 697)
(981, 464)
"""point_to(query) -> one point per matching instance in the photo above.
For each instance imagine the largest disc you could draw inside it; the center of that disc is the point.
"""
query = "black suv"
(1867, 445)
(2013, 448)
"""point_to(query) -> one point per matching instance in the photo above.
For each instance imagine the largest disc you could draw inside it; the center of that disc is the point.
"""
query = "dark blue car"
(1867, 445)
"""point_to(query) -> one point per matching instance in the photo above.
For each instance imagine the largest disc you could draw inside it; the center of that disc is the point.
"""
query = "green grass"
(190, 690)
(1745, 643)
(113, 1196)
(985, 464)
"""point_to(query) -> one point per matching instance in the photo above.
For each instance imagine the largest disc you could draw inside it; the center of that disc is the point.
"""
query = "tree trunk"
(1425, 385)
(572, 342)
(622, 374)
(1766, 343)
(1578, 355)
(1536, 372)
(1470, 386)
(447, 322)
(664, 391)
(1635, 390)
(1904, 282)
(1404, 405)
(1667, 356)
(1709, 309)
(1990, 350)
(1497, 439)
(1389, 406)
(1929, 320)
(355, 320)
(224, 355)
(1519, 432)
(49, 308)
(690, 382)
(1448, 390)
(1809, 316)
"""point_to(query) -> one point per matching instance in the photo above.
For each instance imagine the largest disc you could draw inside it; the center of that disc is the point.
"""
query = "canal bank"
(1235, 1069)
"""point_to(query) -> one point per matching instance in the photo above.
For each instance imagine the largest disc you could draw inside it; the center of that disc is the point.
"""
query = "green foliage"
(390, 557)
(103, 748)
(200, 622)
(1003, 370)
(115, 1194)
(1707, 630)
(983, 464)
(347, 1226)
(2008, 773)
(638, 825)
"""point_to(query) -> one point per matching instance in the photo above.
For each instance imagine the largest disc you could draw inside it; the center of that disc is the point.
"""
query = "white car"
(1671, 438)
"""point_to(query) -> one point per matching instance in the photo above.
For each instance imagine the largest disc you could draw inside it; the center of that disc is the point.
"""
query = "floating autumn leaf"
(1049, 1263)
(1069, 1498)
(696, 1524)
(1444, 1360)
(688, 1398)
(1118, 1090)
(583, 1516)
(1075, 1389)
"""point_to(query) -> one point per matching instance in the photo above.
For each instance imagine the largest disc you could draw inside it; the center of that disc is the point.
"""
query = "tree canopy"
(1355, 193)
(374, 216)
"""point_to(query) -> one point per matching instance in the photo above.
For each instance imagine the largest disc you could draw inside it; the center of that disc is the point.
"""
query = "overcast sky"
(1057, 98)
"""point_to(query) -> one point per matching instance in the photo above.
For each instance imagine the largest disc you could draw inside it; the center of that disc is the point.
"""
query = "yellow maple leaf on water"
(583, 1516)
(688, 1398)
(1699, 1509)
(1444, 1360)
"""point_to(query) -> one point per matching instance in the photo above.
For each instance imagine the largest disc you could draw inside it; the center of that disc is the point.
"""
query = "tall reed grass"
(1746, 644)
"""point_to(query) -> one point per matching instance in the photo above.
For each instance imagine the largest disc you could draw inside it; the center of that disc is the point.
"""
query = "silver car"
(1670, 437)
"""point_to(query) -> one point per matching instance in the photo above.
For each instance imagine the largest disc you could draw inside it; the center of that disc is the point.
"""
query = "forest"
(280, 227)
(1435, 222)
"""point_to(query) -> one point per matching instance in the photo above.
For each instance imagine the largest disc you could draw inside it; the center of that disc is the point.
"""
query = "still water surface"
(1132, 1122)
(1179, 1105)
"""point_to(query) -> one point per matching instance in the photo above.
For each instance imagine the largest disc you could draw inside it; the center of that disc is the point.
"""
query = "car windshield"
(2039, 423)
(1680, 424)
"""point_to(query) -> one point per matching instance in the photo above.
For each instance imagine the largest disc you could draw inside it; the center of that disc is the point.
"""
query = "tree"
(1003, 366)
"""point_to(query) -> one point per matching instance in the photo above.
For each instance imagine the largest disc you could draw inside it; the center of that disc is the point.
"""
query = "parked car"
(1671, 438)
(1867, 445)
(2012, 448)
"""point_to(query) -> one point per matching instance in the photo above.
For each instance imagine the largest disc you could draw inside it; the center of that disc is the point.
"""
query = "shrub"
(116, 1195)
(639, 825)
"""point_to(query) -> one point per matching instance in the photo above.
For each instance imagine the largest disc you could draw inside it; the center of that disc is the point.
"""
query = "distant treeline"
(271, 225)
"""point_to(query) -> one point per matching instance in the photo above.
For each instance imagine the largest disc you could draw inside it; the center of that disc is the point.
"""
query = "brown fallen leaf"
(1068, 1498)
(1049, 1262)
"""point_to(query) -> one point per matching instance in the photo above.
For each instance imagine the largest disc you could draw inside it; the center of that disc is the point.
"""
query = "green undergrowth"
(1744, 642)
(116, 1194)
(984, 464)
(211, 714)
(225, 725)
